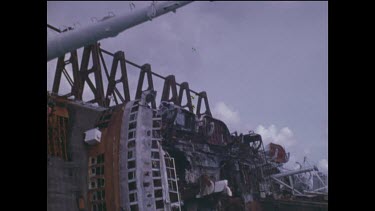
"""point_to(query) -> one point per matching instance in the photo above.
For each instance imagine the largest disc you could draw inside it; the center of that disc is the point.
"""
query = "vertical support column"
(119, 57)
(203, 95)
(96, 69)
(76, 88)
(146, 70)
(59, 68)
(99, 95)
(83, 71)
(124, 77)
(170, 85)
(185, 87)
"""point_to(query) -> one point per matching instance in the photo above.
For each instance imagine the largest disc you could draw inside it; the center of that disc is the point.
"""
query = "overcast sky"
(264, 65)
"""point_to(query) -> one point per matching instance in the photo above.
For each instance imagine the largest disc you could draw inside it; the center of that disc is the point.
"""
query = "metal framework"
(103, 95)
(170, 86)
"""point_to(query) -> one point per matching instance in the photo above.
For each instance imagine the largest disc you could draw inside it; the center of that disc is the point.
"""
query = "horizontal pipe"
(107, 27)
(288, 173)
(315, 192)
(153, 73)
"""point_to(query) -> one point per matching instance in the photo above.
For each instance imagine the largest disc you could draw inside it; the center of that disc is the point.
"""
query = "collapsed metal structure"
(118, 153)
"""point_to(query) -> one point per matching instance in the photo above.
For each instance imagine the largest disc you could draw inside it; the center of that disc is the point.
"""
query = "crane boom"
(107, 27)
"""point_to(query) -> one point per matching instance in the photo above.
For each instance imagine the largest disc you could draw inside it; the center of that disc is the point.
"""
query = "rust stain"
(109, 146)
(57, 128)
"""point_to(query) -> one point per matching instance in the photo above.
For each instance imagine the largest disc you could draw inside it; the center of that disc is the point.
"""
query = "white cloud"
(291, 164)
(323, 165)
(284, 137)
(226, 114)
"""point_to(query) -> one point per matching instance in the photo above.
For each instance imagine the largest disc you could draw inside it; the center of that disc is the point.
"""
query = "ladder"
(172, 182)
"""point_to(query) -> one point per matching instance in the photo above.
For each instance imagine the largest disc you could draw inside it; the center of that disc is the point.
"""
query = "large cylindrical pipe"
(111, 27)
(288, 173)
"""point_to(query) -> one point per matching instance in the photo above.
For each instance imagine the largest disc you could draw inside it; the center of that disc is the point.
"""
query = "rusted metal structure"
(112, 158)
(154, 155)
